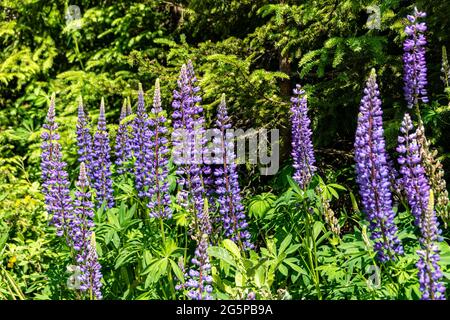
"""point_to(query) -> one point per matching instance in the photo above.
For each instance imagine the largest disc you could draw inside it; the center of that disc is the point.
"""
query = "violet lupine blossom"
(123, 144)
(55, 178)
(199, 278)
(86, 256)
(417, 189)
(302, 147)
(414, 64)
(158, 192)
(91, 275)
(141, 145)
(188, 141)
(101, 163)
(84, 139)
(227, 184)
(373, 174)
(188, 148)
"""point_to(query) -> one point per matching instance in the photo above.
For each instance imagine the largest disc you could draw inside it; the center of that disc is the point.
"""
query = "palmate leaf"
(260, 204)
(155, 270)
(221, 254)
(232, 248)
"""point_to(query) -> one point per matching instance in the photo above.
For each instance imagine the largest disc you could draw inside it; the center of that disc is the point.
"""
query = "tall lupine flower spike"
(141, 145)
(197, 284)
(199, 278)
(414, 64)
(415, 78)
(302, 147)
(373, 175)
(123, 143)
(415, 74)
(101, 166)
(55, 178)
(86, 256)
(92, 270)
(188, 143)
(84, 139)
(158, 192)
(420, 198)
(226, 181)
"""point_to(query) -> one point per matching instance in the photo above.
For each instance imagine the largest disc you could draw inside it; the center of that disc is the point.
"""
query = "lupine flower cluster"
(418, 191)
(84, 139)
(141, 145)
(414, 64)
(188, 137)
(199, 278)
(158, 191)
(415, 77)
(55, 178)
(421, 175)
(101, 163)
(72, 219)
(226, 179)
(373, 175)
(82, 224)
(302, 148)
(123, 147)
(188, 141)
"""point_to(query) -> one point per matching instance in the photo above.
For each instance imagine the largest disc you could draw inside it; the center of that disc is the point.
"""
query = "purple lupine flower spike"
(302, 147)
(227, 184)
(123, 145)
(84, 139)
(419, 195)
(55, 178)
(414, 63)
(188, 149)
(82, 234)
(188, 143)
(141, 145)
(373, 174)
(199, 278)
(101, 165)
(182, 124)
(92, 269)
(158, 192)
